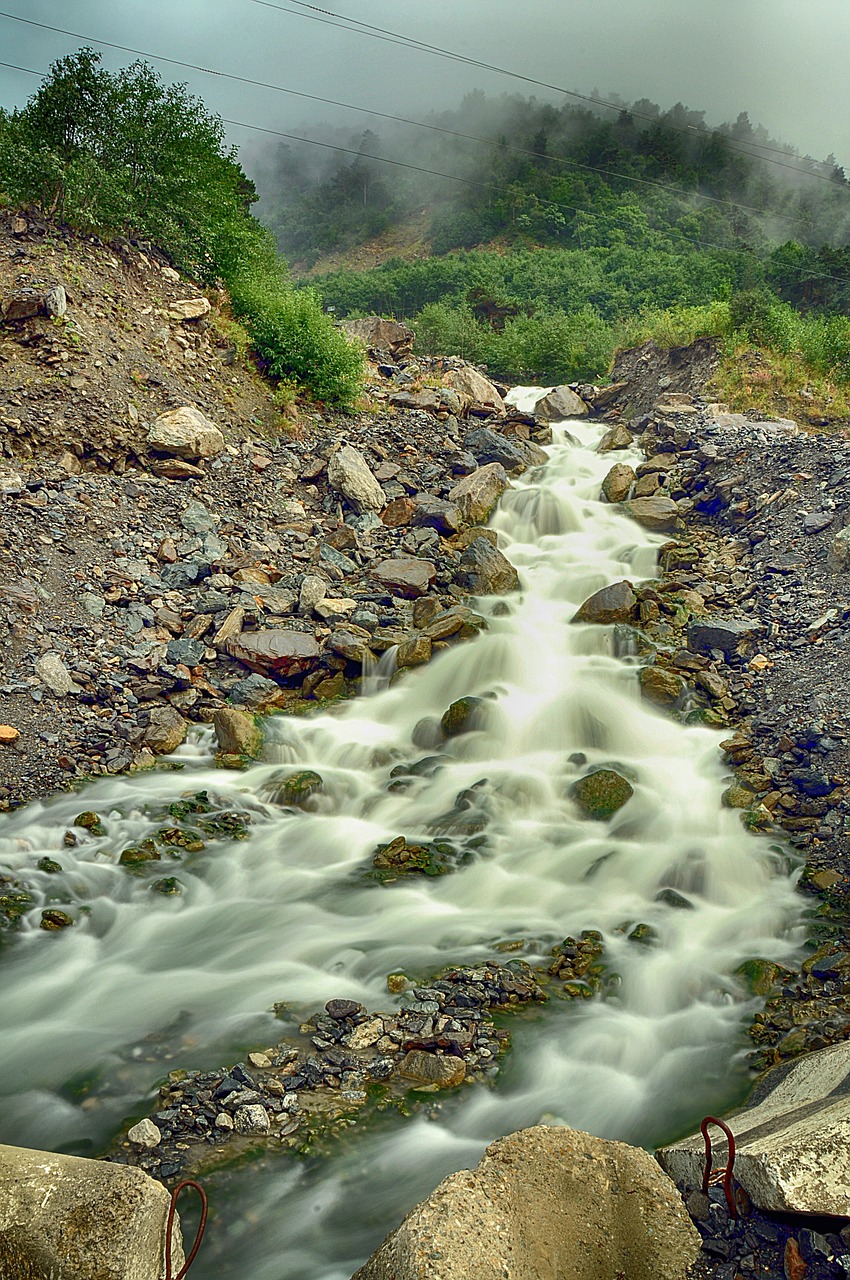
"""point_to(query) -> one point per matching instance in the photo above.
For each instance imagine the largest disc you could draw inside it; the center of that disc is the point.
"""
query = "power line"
(487, 186)
(225, 75)
(395, 37)
(563, 160)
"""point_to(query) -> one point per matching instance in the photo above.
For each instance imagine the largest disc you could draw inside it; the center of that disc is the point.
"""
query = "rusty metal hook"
(725, 1174)
(169, 1228)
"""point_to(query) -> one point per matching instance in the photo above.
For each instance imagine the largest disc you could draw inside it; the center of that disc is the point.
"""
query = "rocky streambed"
(291, 575)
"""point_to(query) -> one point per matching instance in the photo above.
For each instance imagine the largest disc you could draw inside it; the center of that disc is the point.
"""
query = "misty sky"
(784, 61)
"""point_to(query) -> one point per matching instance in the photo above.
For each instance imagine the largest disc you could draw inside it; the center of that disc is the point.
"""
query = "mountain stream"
(95, 1016)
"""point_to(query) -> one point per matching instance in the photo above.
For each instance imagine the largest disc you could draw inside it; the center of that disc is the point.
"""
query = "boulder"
(730, 635)
(398, 513)
(478, 493)
(545, 1202)
(434, 513)
(484, 571)
(463, 716)
(185, 433)
(658, 514)
(349, 475)
(617, 603)
(385, 336)
(165, 731)
(617, 437)
(487, 445)
(189, 309)
(660, 686)
(438, 1070)
(600, 794)
(406, 576)
(429, 399)
(64, 1216)
(617, 485)
(237, 733)
(474, 388)
(839, 555)
(559, 404)
(286, 653)
(791, 1138)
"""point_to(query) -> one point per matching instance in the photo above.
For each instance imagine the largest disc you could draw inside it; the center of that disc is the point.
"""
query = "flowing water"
(94, 1016)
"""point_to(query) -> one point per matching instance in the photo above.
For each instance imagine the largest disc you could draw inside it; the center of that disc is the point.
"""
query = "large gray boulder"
(349, 474)
(474, 389)
(71, 1219)
(545, 1204)
(792, 1153)
(730, 635)
(658, 514)
(185, 433)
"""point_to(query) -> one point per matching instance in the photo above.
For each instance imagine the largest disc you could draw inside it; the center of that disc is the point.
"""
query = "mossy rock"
(601, 794)
(463, 716)
(737, 797)
(14, 903)
(180, 838)
(296, 788)
(52, 920)
(50, 865)
(760, 977)
(644, 934)
(398, 858)
(169, 886)
(136, 854)
(90, 821)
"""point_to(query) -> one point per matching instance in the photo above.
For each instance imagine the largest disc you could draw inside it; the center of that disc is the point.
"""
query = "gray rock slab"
(74, 1219)
(545, 1202)
(731, 635)
(792, 1145)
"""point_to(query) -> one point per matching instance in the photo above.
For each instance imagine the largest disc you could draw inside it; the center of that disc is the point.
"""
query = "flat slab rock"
(287, 653)
(545, 1202)
(791, 1138)
(406, 576)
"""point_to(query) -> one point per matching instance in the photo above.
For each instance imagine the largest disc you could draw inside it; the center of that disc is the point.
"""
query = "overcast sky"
(786, 62)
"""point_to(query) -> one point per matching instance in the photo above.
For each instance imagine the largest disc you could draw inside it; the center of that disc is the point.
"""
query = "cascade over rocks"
(545, 1201)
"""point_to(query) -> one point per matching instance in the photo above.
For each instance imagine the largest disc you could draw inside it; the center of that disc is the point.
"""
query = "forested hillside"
(566, 231)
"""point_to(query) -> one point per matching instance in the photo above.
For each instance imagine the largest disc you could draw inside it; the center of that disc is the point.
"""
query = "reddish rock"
(398, 512)
(408, 577)
(285, 653)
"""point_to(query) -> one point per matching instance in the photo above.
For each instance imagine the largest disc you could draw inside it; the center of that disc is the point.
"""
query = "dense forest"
(572, 230)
